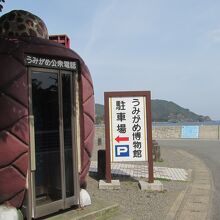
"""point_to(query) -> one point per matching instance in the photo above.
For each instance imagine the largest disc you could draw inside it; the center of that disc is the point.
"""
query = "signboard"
(128, 128)
(190, 132)
(46, 62)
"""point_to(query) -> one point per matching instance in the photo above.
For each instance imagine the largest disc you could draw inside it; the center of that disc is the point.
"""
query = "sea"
(185, 123)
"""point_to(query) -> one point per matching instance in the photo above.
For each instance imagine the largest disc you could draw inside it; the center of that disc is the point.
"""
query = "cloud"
(117, 23)
(97, 25)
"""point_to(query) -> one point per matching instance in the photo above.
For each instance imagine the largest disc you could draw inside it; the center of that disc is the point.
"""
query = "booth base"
(98, 210)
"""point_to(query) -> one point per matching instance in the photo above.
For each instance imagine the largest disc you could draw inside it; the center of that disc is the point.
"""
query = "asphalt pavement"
(209, 152)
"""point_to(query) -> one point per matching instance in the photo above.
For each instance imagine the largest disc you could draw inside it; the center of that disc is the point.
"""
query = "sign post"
(128, 129)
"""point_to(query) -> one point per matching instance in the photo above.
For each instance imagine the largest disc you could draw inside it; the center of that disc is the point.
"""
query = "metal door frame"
(31, 210)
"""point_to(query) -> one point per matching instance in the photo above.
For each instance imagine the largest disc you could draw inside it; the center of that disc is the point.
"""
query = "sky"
(171, 48)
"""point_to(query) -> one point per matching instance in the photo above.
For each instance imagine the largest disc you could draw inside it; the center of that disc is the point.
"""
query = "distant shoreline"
(182, 123)
(185, 123)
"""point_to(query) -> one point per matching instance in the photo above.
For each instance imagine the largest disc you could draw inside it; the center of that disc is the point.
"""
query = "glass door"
(67, 134)
(52, 110)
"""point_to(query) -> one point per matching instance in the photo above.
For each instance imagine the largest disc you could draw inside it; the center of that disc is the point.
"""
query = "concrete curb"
(176, 205)
(100, 214)
(195, 201)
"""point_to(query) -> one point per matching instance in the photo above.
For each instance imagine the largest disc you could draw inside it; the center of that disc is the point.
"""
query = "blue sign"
(190, 132)
(121, 150)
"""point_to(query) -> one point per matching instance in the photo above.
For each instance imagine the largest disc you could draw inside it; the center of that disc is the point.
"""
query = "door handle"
(32, 143)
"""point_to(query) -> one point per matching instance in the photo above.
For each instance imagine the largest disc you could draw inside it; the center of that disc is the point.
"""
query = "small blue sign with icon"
(121, 150)
(190, 132)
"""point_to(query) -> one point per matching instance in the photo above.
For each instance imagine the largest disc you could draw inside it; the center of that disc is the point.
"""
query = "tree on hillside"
(1, 6)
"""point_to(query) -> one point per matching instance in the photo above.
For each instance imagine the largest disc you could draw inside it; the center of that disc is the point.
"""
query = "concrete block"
(115, 184)
(155, 186)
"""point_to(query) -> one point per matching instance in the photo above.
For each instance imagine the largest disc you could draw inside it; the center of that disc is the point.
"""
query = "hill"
(163, 111)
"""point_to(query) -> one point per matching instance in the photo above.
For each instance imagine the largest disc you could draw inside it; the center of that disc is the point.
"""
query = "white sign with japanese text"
(128, 129)
(50, 63)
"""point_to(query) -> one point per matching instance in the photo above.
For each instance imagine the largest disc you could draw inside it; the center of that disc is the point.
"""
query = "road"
(209, 153)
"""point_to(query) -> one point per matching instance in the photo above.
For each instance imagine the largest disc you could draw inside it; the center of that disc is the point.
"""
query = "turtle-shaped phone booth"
(24, 43)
